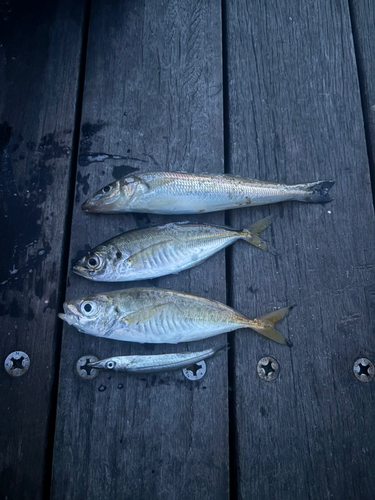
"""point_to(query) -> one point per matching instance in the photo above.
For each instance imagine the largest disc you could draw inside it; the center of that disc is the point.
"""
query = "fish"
(158, 316)
(184, 193)
(156, 251)
(154, 362)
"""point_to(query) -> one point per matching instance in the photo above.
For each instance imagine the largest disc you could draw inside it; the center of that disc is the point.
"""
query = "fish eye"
(88, 308)
(110, 365)
(93, 262)
(107, 189)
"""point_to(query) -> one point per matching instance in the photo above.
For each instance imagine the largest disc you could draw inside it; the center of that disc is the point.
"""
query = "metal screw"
(84, 370)
(17, 363)
(195, 372)
(268, 368)
(364, 370)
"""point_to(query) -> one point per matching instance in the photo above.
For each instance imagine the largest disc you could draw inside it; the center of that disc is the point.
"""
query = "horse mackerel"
(156, 315)
(156, 251)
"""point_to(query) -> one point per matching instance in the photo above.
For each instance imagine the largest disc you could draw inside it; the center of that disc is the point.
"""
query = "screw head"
(268, 368)
(17, 363)
(195, 372)
(85, 371)
(364, 370)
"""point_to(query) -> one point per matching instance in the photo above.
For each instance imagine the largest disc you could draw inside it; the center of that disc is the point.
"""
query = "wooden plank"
(153, 95)
(362, 17)
(295, 115)
(40, 51)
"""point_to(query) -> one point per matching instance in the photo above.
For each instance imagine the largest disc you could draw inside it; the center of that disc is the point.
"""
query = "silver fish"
(157, 251)
(155, 362)
(183, 193)
(155, 315)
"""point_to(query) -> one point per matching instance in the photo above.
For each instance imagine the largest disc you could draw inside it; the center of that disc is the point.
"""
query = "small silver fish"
(154, 363)
(183, 193)
(156, 251)
(155, 315)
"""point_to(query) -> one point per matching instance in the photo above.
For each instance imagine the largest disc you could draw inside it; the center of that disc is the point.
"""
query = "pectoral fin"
(142, 315)
(138, 259)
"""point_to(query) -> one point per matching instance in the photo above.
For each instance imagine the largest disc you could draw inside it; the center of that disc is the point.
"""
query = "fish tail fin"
(251, 235)
(317, 192)
(265, 325)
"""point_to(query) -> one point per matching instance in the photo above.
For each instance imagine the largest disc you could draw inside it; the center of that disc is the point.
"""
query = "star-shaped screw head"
(268, 368)
(17, 363)
(196, 371)
(364, 370)
(84, 370)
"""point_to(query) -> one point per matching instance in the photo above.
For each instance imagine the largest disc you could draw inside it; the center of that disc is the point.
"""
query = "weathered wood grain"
(40, 50)
(362, 17)
(295, 115)
(153, 96)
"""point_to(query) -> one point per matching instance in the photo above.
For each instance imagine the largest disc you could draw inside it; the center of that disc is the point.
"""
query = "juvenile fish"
(153, 363)
(155, 315)
(157, 251)
(183, 193)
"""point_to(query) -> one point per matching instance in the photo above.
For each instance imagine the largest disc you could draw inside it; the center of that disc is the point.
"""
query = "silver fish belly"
(156, 315)
(183, 193)
(157, 251)
(153, 363)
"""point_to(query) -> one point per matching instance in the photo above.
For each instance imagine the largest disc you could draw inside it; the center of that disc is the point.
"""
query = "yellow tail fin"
(264, 325)
(252, 235)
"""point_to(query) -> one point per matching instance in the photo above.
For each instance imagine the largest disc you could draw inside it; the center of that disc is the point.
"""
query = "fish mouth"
(99, 365)
(89, 274)
(63, 316)
(82, 271)
(71, 314)
(71, 320)
(88, 206)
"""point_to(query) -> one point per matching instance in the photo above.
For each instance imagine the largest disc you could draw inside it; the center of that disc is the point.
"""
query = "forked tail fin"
(265, 325)
(317, 192)
(252, 235)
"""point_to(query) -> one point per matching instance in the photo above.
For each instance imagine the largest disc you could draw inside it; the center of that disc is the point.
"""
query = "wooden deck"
(274, 90)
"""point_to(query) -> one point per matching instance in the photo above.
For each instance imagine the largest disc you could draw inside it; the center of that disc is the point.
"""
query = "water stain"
(142, 220)
(82, 182)
(121, 170)
(80, 254)
(88, 130)
(39, 288)
(14, 310)
(85, 159)
(51, 303)
(50, 148)
(22, 203)
(30, 314)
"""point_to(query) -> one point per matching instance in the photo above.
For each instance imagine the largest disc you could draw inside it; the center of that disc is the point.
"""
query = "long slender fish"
(153, 363)
(157, 251)
(155, 315)
(183, 193)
